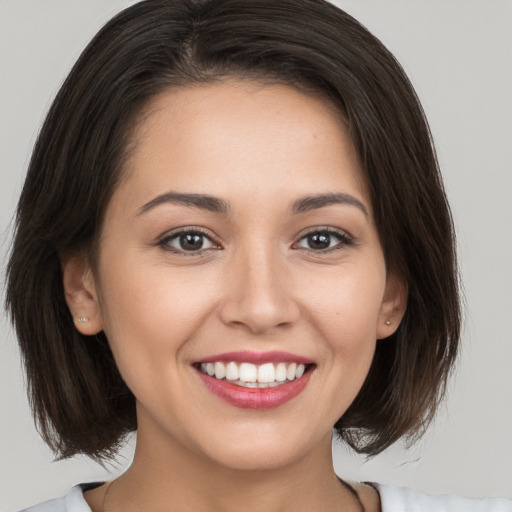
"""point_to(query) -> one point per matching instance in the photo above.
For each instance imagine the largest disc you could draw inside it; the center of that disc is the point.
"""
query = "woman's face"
(242, 234)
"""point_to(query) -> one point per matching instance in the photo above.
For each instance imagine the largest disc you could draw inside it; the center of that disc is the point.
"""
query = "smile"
(254, 376)
(251, 380)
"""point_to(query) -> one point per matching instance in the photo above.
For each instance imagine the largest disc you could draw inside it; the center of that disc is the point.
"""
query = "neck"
(169, 476)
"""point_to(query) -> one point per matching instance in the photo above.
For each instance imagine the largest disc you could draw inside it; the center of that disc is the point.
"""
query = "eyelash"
(344, 241)
(164, 242)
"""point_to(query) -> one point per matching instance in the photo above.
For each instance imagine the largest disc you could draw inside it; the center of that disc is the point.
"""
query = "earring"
(388, 322)
(82, 319)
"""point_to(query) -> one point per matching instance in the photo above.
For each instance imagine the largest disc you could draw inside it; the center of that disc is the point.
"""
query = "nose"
(258, 294)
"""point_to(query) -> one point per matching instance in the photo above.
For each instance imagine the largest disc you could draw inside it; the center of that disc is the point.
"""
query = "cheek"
(347, 301)
(346, 314)
(152, 312)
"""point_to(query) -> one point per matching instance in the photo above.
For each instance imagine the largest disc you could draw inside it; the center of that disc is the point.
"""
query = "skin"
(257, 285)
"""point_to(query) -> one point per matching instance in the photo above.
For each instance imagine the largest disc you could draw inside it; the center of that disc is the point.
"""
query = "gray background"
(458, 54)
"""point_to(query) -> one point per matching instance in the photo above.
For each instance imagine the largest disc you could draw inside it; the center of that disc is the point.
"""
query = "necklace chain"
(354, 493)
(109, 485)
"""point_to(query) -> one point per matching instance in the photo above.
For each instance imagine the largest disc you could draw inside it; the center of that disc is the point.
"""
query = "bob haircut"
(79, 400)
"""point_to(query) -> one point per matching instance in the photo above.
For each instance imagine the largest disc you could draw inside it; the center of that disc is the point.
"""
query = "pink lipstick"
(255, 380)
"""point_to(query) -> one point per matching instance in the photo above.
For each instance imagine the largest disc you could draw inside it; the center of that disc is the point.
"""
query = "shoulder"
(401, 499)
(73, 502)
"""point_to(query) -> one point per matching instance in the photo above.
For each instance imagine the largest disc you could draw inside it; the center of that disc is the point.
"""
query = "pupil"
(191, 241)
(319, 241)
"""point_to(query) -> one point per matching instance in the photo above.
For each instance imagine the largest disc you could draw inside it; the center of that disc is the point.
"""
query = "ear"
(393, 306)
(80, 294)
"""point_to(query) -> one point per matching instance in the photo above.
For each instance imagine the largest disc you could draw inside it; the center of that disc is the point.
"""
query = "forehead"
(237, 136)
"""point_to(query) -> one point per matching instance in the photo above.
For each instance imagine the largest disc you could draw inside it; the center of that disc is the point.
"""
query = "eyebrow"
(201, 201)
(216, 205)
(309, 203)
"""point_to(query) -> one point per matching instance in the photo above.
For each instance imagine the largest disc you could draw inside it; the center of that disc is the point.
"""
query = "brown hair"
(79, 400)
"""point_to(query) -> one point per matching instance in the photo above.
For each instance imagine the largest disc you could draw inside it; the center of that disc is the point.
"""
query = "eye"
(324, 240)
(188, 241)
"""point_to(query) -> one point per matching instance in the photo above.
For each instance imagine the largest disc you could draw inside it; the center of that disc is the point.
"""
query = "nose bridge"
(258, 294)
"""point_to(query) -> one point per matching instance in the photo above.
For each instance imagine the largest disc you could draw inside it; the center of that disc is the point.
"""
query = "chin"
(262, 451)
(256, 459)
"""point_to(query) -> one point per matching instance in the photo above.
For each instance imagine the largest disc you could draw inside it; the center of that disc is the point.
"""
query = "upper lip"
(248, 356)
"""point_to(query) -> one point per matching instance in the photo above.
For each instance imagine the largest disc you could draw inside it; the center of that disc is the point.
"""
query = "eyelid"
(164, 239)
(346, 240)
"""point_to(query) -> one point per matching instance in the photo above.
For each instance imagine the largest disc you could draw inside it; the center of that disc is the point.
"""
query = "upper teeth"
(262, 375)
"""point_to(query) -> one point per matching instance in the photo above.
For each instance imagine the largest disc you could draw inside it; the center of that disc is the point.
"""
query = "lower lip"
(255, 398)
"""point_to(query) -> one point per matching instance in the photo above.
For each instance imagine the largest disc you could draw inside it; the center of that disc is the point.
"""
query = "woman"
(233, 215)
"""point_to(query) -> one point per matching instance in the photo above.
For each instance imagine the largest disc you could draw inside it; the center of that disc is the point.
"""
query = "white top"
(393, 499)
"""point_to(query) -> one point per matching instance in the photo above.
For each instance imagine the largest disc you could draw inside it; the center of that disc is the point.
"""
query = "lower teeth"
(257, 384)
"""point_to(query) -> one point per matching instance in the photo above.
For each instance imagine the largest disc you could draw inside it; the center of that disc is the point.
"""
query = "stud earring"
(388, 322)
(82, 319)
